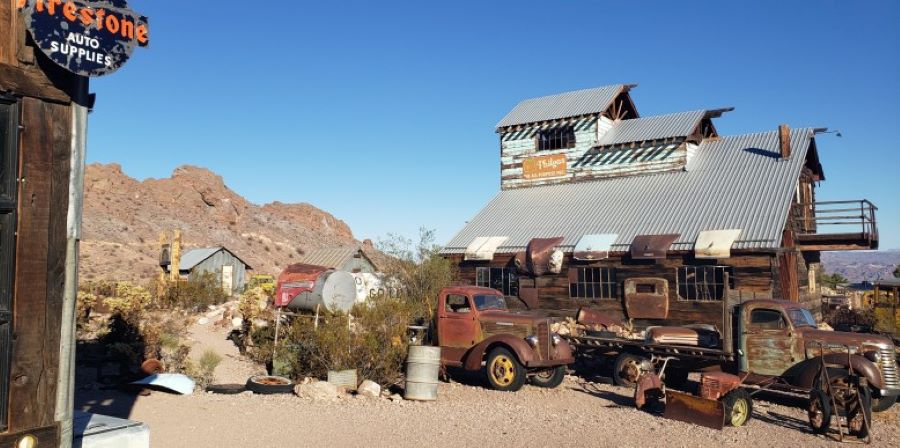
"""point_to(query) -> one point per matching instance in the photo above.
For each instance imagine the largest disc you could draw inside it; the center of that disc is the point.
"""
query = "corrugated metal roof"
(652, 128)
(193, 257)
(329, 257)
(563, 105)
(736, 182)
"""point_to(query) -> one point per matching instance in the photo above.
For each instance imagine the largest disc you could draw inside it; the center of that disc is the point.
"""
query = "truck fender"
(808, 370)
(518, 346)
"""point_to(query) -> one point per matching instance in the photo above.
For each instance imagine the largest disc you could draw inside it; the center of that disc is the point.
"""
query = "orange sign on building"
(544, 166)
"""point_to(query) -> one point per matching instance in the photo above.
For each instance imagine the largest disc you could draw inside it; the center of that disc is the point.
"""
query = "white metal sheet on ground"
(715, 243)
(103, 431)
(483, 247)
(594, 247)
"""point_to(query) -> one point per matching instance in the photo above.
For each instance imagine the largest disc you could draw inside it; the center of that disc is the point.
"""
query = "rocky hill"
(862, 265)
(123, 218)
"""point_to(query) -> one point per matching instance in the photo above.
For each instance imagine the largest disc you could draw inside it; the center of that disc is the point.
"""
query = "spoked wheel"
(503, 370)
(819, 411)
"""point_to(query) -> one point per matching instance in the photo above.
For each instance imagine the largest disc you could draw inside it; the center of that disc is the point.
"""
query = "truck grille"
(888, 367)
(543, 335)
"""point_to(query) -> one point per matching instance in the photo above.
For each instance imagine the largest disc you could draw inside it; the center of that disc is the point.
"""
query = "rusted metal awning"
(652, 247)
(715, 243)
(594, 247)
(483, 247)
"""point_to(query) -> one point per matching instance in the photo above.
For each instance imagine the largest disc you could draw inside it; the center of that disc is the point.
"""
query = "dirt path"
(234, 368)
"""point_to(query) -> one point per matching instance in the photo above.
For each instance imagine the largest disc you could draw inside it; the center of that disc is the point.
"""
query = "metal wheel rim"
(739, 412)
(502, 370)
(630, 371)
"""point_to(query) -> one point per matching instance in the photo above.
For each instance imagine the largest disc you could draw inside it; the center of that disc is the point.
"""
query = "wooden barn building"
(224, 265)
(651, 218)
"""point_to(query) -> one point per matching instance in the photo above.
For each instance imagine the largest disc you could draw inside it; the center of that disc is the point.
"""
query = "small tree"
(835, 280)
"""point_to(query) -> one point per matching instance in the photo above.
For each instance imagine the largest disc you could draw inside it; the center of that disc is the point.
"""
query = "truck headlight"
(532, 340)
(556, 339)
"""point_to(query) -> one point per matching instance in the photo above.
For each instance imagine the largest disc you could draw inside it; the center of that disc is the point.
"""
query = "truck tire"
(819, 411)
(549, 378)
(882, 404)
(738, 407)
(503, 371)
(627, 369)
(269, 384)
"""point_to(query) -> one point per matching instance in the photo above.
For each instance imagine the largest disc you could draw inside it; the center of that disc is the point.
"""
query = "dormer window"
(556, 138)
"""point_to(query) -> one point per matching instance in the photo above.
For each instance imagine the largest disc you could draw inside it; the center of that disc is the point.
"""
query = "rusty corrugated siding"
(736, 182)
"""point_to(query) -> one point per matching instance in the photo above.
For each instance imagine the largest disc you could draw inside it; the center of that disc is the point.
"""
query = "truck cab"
(781, 339)
(476, 331)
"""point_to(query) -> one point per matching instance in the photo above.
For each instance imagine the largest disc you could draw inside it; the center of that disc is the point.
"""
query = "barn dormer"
(595, 134)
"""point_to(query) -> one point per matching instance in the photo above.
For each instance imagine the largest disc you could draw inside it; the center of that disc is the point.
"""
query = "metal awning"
(594, 247)
(483, 247)
(651, 247)
(715, 243)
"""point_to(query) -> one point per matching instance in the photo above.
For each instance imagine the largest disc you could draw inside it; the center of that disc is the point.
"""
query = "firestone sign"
(88, 38)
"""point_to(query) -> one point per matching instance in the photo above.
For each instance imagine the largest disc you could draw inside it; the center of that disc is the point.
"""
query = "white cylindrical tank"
(367, 285)
(333, 291)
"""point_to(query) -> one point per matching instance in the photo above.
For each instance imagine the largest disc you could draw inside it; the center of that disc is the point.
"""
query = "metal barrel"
(422, 366)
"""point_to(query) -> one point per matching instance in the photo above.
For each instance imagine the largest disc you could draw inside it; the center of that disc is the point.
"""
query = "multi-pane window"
(504, 280)
(8, 169)
(556, 138)
(703, 283)
(593, 283)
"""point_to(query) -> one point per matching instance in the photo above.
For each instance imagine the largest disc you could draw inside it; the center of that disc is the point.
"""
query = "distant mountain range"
(124, 216)
(860, 266)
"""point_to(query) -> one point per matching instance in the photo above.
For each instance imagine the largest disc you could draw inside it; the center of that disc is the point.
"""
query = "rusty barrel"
(423, 363)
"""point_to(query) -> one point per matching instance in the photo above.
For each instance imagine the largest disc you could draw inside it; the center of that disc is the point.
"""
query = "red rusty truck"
(772, 342)
(476, 331)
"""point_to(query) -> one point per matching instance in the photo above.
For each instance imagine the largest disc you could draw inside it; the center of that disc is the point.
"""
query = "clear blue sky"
(382, 113)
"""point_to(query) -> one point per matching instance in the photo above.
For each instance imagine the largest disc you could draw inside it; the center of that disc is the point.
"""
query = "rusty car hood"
(517, 317)
(845, 338)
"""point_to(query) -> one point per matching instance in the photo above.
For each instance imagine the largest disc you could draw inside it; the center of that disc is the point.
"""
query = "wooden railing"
(835, 217)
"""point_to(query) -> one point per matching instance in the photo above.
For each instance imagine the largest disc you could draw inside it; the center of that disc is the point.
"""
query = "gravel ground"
(577, 413)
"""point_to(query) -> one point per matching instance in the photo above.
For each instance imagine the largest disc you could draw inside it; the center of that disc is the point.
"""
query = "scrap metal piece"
(647, 298)
(652, 247)
(715, 243)
(483, 248)
(594, 247)
(696, 410)
(540, 257)
(588, 316)
(175, 382)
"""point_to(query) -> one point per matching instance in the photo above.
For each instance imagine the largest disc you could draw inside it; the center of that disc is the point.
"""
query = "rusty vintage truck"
(771, 342)
(476, 331)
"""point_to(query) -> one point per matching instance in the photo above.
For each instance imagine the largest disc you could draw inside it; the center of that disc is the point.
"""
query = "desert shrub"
(199, 291)
(205, 371)
(372, 338)
(84, 302)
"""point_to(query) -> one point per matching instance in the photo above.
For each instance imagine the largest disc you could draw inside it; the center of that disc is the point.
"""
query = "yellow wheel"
(738, 407)
(503, 370)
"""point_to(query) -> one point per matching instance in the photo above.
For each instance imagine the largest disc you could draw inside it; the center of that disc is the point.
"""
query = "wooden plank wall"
(40, 262)
(44, 149)
(752, 278)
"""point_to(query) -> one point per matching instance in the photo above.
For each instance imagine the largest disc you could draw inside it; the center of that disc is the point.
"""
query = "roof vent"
(784, 135)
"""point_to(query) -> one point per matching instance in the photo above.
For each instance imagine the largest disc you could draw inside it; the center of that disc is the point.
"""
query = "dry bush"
(205, 372)
(195, 294)
(373, 338)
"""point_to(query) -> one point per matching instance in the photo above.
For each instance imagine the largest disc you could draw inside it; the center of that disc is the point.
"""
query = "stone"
(396, 398)
(369, 389)
(318, 391)
(202, 321)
